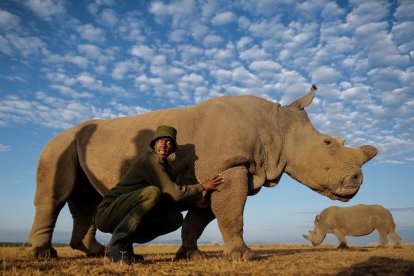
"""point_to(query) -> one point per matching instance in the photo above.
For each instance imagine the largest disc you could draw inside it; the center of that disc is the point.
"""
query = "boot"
(120, 246)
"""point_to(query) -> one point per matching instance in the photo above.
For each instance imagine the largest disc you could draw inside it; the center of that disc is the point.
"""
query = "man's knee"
(151, 193)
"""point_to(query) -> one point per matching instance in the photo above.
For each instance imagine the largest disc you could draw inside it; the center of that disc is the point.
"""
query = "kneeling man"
(138, 209)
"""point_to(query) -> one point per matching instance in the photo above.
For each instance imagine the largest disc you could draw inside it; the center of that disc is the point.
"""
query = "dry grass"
(273, 260)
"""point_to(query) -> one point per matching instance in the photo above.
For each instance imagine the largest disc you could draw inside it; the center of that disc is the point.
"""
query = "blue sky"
(63, 62)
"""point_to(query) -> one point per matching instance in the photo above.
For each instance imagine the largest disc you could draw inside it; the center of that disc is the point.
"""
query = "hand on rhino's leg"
(228, 206)
(194, 224)
(40, 236)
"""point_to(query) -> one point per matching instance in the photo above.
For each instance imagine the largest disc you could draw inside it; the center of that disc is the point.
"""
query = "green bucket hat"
(165, 131)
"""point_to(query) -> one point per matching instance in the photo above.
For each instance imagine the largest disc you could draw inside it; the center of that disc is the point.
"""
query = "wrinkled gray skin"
(358, 220)
(249, 140)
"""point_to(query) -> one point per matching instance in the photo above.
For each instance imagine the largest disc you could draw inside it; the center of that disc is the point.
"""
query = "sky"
(64, 62)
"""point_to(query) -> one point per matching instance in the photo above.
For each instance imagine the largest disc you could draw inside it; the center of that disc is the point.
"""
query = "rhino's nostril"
(357, 178)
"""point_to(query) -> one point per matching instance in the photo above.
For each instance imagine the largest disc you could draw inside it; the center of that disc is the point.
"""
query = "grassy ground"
(273, 260)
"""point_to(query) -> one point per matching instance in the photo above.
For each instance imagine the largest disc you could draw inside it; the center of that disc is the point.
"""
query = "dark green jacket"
(149, 169)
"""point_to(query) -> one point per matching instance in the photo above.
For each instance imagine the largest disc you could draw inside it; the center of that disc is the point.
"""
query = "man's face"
(163, 147)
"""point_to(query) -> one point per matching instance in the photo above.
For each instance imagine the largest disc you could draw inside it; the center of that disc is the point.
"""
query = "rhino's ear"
(305, 100)
(340, 139)
(369, 152)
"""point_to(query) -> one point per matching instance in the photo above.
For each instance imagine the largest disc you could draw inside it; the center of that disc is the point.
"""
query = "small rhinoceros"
(249, 140)
(358, 220)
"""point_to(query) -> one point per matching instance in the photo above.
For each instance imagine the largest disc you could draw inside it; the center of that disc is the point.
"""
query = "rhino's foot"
(190, 254)
(93, 250)
(45, 253)
(343, 246)
(247, 255)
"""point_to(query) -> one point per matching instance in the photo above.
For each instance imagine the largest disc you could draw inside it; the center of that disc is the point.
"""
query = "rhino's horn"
(305, 100)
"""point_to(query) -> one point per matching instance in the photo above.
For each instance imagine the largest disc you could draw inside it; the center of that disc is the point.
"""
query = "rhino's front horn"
(369, 152)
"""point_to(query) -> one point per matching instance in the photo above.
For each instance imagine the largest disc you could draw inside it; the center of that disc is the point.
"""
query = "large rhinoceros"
(249, 140)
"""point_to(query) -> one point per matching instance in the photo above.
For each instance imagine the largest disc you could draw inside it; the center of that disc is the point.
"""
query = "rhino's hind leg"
(395, 238)
(41, 234)
(55, 180)
(194, 224)
(228, 207)
(82, 205)
(383, 232)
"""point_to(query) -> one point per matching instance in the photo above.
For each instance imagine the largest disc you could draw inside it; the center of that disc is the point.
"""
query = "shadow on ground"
(380, 266)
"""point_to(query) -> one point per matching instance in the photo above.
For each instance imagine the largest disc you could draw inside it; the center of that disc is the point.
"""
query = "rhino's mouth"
(348, 187)
(343, 198)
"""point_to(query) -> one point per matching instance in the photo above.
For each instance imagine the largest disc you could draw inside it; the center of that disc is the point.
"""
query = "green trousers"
(145, 206)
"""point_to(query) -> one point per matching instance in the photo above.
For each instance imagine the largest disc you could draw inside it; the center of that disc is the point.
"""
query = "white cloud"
(24, 45)
(355, 93)
(254, 53)
(91, 33)
(180, 11)
(378, 45)
(168, 73)
(109, 17)
(97, 4)
(221, 75)
(123, 68)
(403, 33)
(142, 51)
(366, 12)
(85, 79)
(68, 91)
(8, 21)
(331, 11)
(78, 60)
(222, 54)
(244, 77)
(291, 85)
(223, 18)
(194, 79)
(325, 74)
(243, 42)
(178, 35)
(212, 41)
(404, 10)
(267, 65)
(4, 148)
(46, 9)
(199, 30)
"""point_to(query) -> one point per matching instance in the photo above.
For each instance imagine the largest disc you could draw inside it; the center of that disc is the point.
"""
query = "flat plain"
(274, 259)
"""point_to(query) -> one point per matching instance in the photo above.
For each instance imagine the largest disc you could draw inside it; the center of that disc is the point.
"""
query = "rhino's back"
(356, 220)
(220, 129)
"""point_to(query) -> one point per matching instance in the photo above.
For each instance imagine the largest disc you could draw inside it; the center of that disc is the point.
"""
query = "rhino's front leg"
(341, 238)
(228, 207)
(194, 224)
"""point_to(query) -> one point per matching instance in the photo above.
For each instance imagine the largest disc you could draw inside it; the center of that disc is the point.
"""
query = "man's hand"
(212, 183)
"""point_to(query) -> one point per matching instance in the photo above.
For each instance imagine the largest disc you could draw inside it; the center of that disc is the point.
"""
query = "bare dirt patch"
(273, 260)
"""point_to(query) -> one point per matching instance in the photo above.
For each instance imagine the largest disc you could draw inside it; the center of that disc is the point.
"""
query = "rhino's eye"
(327, 142)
